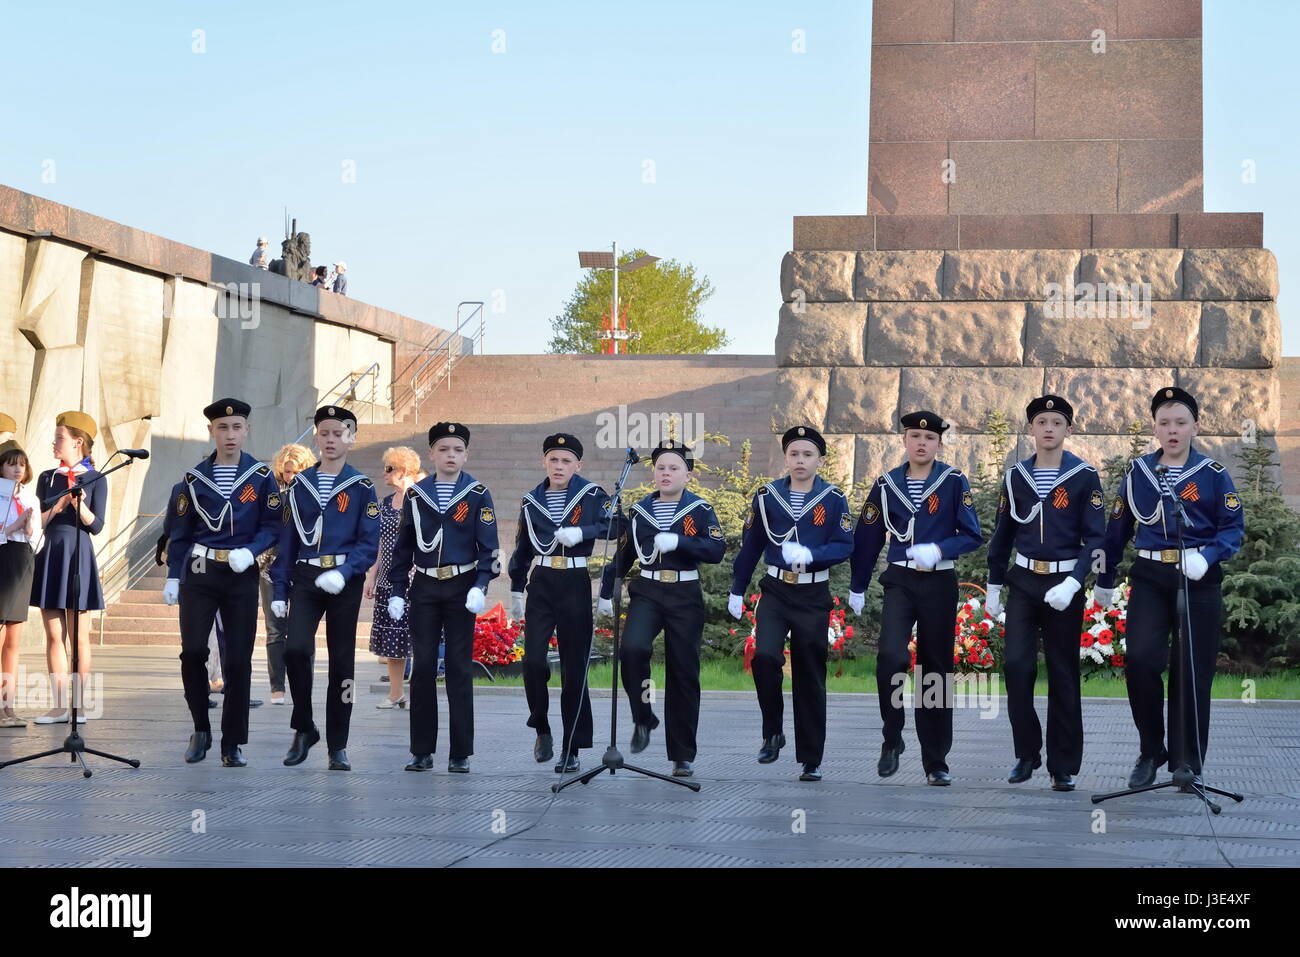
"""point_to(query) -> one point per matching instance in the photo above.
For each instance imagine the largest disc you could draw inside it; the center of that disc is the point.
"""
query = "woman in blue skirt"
(74, 437)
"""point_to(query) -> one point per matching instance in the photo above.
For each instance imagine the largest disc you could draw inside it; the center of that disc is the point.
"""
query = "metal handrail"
(350, 393)
(438, 347)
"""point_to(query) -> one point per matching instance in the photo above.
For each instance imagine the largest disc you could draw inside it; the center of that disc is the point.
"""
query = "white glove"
(993, 601)
(475, 600)
(1194, 564)
(172, 591)
(735, 606)
(396, 608)
(1060, 596)
(516, 605)
(796, 555)
(604, 607)
(279, 608)
(568, 536)
(926, 555)
(666, 542)
(856, 601)
(331, 581)
(1103, 596)
(240, 560)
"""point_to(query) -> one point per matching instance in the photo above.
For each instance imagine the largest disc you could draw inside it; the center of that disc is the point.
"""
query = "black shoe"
(1062, 782)
(562, 768)
(255, 702)
(771, 749)
(543, 748)
(233, 759)
(302, 742)
(212, 702)
(683, 769)
(811, 772)
(200, 741)
(339, 760)
(1024, 769)
(641, 737)
(940, 779)
(384, 677)
(888, 763)
(420, 762)
(1144, 772)
(458, 766)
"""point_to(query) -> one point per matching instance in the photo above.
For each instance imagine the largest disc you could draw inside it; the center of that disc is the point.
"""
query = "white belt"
(1046, 568)
(216, 554)
(670, 575)
(790, 578)
(324, 561)
(1168, 556)
(942, 566)
(556, 561)
(443, 572)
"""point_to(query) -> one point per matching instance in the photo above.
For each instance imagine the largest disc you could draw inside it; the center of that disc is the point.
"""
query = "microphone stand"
(1183, 777)
(74, 745)
(612, 760)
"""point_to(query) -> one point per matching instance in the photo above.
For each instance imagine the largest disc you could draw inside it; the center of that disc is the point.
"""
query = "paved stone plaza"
(746, 814)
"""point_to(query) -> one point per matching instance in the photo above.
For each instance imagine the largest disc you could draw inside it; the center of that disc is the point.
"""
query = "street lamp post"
(609, 260)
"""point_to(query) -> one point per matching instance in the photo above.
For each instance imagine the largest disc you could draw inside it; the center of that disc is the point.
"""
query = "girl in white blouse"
(20, 536)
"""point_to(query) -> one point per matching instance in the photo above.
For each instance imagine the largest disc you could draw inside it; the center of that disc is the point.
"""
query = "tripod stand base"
(1185, 780)
(75, 746)
(613, 761)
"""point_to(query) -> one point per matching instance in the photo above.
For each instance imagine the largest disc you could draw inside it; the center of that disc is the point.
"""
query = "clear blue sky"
(479, 172)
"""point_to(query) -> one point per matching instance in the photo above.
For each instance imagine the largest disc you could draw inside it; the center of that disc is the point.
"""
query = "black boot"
(771, 749)
(200, 742)
(302, 742)
(888, 763)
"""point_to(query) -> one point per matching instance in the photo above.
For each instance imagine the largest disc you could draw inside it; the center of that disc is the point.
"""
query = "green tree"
(662, 302)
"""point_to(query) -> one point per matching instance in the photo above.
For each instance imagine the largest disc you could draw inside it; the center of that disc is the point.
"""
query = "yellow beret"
(78, 420)
(7, 423)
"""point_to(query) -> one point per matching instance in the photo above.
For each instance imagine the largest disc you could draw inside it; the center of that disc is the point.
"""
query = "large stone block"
(1006, 274)
(1107, 400)
(965, 396)
(1168, 338)
(840, 455)
(1233, 401)
(1160, 176)
(1230, 274)
(907, 179)
(817, 276)
(863, 400)
(1243, 335)
(907, 275)
(51, 293)
(123, 312)
(16, 353)
(800, 397)
(1034, 176)
(1161, 268)
(948, 333)
(1225, 449)
(1096, 449)
(875, 454)
(56, 378)
(822, 334)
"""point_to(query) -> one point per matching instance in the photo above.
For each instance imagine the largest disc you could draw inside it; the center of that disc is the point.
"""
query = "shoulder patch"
(480, 488)
(486, 516)
(870, 513)
(838, 491)
(749, 517)
(968, 499)
(372, 510)
(1002, 503)
(182, 504)
(880, 480)
(846, 522)
(1217, 466)
(1117, 507)
(366, 483)
(715, 533)
(1231, 501)
(1095, 500)
(273, 500)
(763, 490)
(264, 471)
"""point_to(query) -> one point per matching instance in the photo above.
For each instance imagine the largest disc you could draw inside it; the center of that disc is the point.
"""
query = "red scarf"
(70, 472)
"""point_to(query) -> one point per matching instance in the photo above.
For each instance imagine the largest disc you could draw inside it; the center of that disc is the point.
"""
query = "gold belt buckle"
(558, 562)
(222, 555)
(327, 561)
(1040, 567)
(790, 578)
(668, 575)
(916, 567)
(1169, 556)
(445, 571)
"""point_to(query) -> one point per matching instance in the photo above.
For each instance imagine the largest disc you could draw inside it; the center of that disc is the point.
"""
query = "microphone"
(632, 457)
(135, 453)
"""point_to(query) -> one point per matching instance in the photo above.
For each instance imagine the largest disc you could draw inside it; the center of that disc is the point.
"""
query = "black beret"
(442, 430)
(335, 412)
(564, 442)
(808, 434)
(672, 445)
(1050, 403)
(224, 407)
(924, 420)
(1175, 394)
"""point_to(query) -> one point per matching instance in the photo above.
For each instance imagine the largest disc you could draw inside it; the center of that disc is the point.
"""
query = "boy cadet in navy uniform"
(670, 532)
(228, 514)
(1053, 511)
(329, 539)
(1214, 532)
(559, 522)
(927, 508)
(449, 533)
(801, 526)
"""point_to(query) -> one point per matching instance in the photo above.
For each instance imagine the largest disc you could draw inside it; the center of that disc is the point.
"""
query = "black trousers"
(1030, 619)
(928, 601)
(277, 632)
(676, 609)
(307, 605)
(209, 586)
(438, 613)
(802, 612)
(1152, 615)
(559, 603)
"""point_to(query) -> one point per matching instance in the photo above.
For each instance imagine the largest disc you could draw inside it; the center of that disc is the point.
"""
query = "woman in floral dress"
(391, 639)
